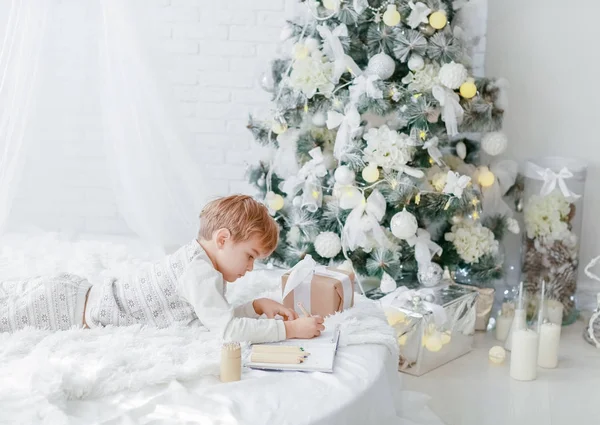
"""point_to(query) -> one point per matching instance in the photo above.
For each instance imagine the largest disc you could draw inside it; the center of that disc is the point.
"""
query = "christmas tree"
(376, 129)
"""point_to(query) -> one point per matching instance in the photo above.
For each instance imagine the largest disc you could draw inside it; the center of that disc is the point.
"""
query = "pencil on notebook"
(264, 348)
(281, 358)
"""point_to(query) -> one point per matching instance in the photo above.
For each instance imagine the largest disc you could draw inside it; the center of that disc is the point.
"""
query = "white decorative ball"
(388, 284)
(274, 201)
(494, 143)
(431, 276)
(266, 81)
(328, 244)
(461, 150)
(404, 225)
(370, 173)
(415, 62)
(344, 175)
(452, 75)
(382, 65)
(497, 354)
(319, 119)
(350, 197)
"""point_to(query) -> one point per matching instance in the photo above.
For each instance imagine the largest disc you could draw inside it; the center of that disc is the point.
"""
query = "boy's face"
(234, 259)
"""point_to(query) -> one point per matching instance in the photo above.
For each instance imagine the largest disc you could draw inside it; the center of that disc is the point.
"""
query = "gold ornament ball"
(497, 354)
(427, 29)
(446, 337)
(391, 17)
(275, 201)
(370, 173)
(279, 128)
(330, 4)
(486, 177)
(468, 90)
(434, 342)
(438, 20)
(394, 317)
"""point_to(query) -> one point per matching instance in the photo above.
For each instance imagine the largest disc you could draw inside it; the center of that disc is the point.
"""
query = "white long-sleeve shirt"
(184, 287)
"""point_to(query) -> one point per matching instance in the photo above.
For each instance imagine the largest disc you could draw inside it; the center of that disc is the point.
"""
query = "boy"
(187, 286)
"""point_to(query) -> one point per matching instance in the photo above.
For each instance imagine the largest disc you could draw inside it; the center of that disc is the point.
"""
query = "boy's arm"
(202, 286)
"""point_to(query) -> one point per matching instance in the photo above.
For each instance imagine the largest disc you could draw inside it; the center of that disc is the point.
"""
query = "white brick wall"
(217, 50)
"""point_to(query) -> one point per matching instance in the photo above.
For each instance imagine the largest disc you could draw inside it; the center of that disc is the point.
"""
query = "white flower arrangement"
(312, 73)
(422, 80)
(387, 148)
(437, 178)
(546, 217)
(472, 241)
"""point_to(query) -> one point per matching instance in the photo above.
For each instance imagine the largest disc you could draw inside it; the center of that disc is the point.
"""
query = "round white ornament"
(403, 225)
(319, 119)
(388, 284)
(382, 65)
(494, 143)
(370, 173)
(328, 244)
(350, 197)
(266, 81)
(461, 150)
(297, 201)
(415, 62)
(431, 276)
(452, 75)
(274, 201)
(391, 16)
(497, 354)
(344, 175)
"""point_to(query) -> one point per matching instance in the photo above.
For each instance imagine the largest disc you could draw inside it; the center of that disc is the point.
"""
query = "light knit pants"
(44, 302)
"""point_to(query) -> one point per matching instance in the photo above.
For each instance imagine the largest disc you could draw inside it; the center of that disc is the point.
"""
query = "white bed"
(147, 376)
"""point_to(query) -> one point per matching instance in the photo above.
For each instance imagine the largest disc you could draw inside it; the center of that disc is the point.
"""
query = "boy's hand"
(305, 327)
(272, 308)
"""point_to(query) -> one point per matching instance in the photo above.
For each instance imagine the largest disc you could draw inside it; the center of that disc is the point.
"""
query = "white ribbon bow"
(456, 184)
(334, 49)
(425, 248)
(402, 297)
(433, 150)
(411, 171)
(418, 15)
(314, 167)
(492, 202)
(364, 219)
(360, 5)
(348, 125)
(365, 84)
(452, 112)
(551, 179)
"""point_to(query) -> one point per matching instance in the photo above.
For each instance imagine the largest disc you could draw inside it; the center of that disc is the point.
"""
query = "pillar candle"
(523, 359)
(504, 321)
(554, 311)
(549, 343)
(517, 323)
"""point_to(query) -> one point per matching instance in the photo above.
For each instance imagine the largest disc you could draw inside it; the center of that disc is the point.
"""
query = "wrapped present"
(322, 290)
(485, 302)
(433, 325)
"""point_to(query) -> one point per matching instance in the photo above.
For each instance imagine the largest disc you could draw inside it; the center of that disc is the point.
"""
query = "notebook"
(322, 351)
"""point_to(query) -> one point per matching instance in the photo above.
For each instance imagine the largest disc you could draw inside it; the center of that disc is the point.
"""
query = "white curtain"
(159, 189)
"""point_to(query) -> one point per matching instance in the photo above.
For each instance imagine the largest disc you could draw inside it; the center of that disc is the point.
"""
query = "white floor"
(472, 391)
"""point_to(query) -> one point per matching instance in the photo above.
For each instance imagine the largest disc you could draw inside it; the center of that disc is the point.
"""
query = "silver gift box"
(424, 345)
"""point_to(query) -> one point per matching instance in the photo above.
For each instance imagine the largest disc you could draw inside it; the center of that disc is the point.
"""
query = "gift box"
(433, 325)
(321, 290)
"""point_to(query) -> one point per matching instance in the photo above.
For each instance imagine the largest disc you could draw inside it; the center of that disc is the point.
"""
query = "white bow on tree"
(348, 125)
(335, 50)
(433, 150)
(456, 184)
(492, 202)
(452, 112)
(309, 177)
(363, 221)
(365, 84)
(419, 14)
(411, 171)
(425, 248)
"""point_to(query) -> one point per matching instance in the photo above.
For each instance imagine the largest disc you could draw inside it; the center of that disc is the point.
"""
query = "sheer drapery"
(158, 188)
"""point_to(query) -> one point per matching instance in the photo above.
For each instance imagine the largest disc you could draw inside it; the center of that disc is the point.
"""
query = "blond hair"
(244, 217)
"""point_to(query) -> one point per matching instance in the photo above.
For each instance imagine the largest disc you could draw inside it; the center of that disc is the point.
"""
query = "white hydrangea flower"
(422, 80)
(546, 217)
(312, 74)
(437, 178)
(472, 241)
(387, 148)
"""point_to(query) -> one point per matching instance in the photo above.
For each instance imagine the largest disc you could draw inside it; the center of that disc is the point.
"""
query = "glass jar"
(553, 212)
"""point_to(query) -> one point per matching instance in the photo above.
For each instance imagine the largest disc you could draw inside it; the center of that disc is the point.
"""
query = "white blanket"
(40, 371)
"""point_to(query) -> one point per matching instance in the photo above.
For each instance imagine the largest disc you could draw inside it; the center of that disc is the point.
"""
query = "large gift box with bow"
(433, 325)
(321, 290)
